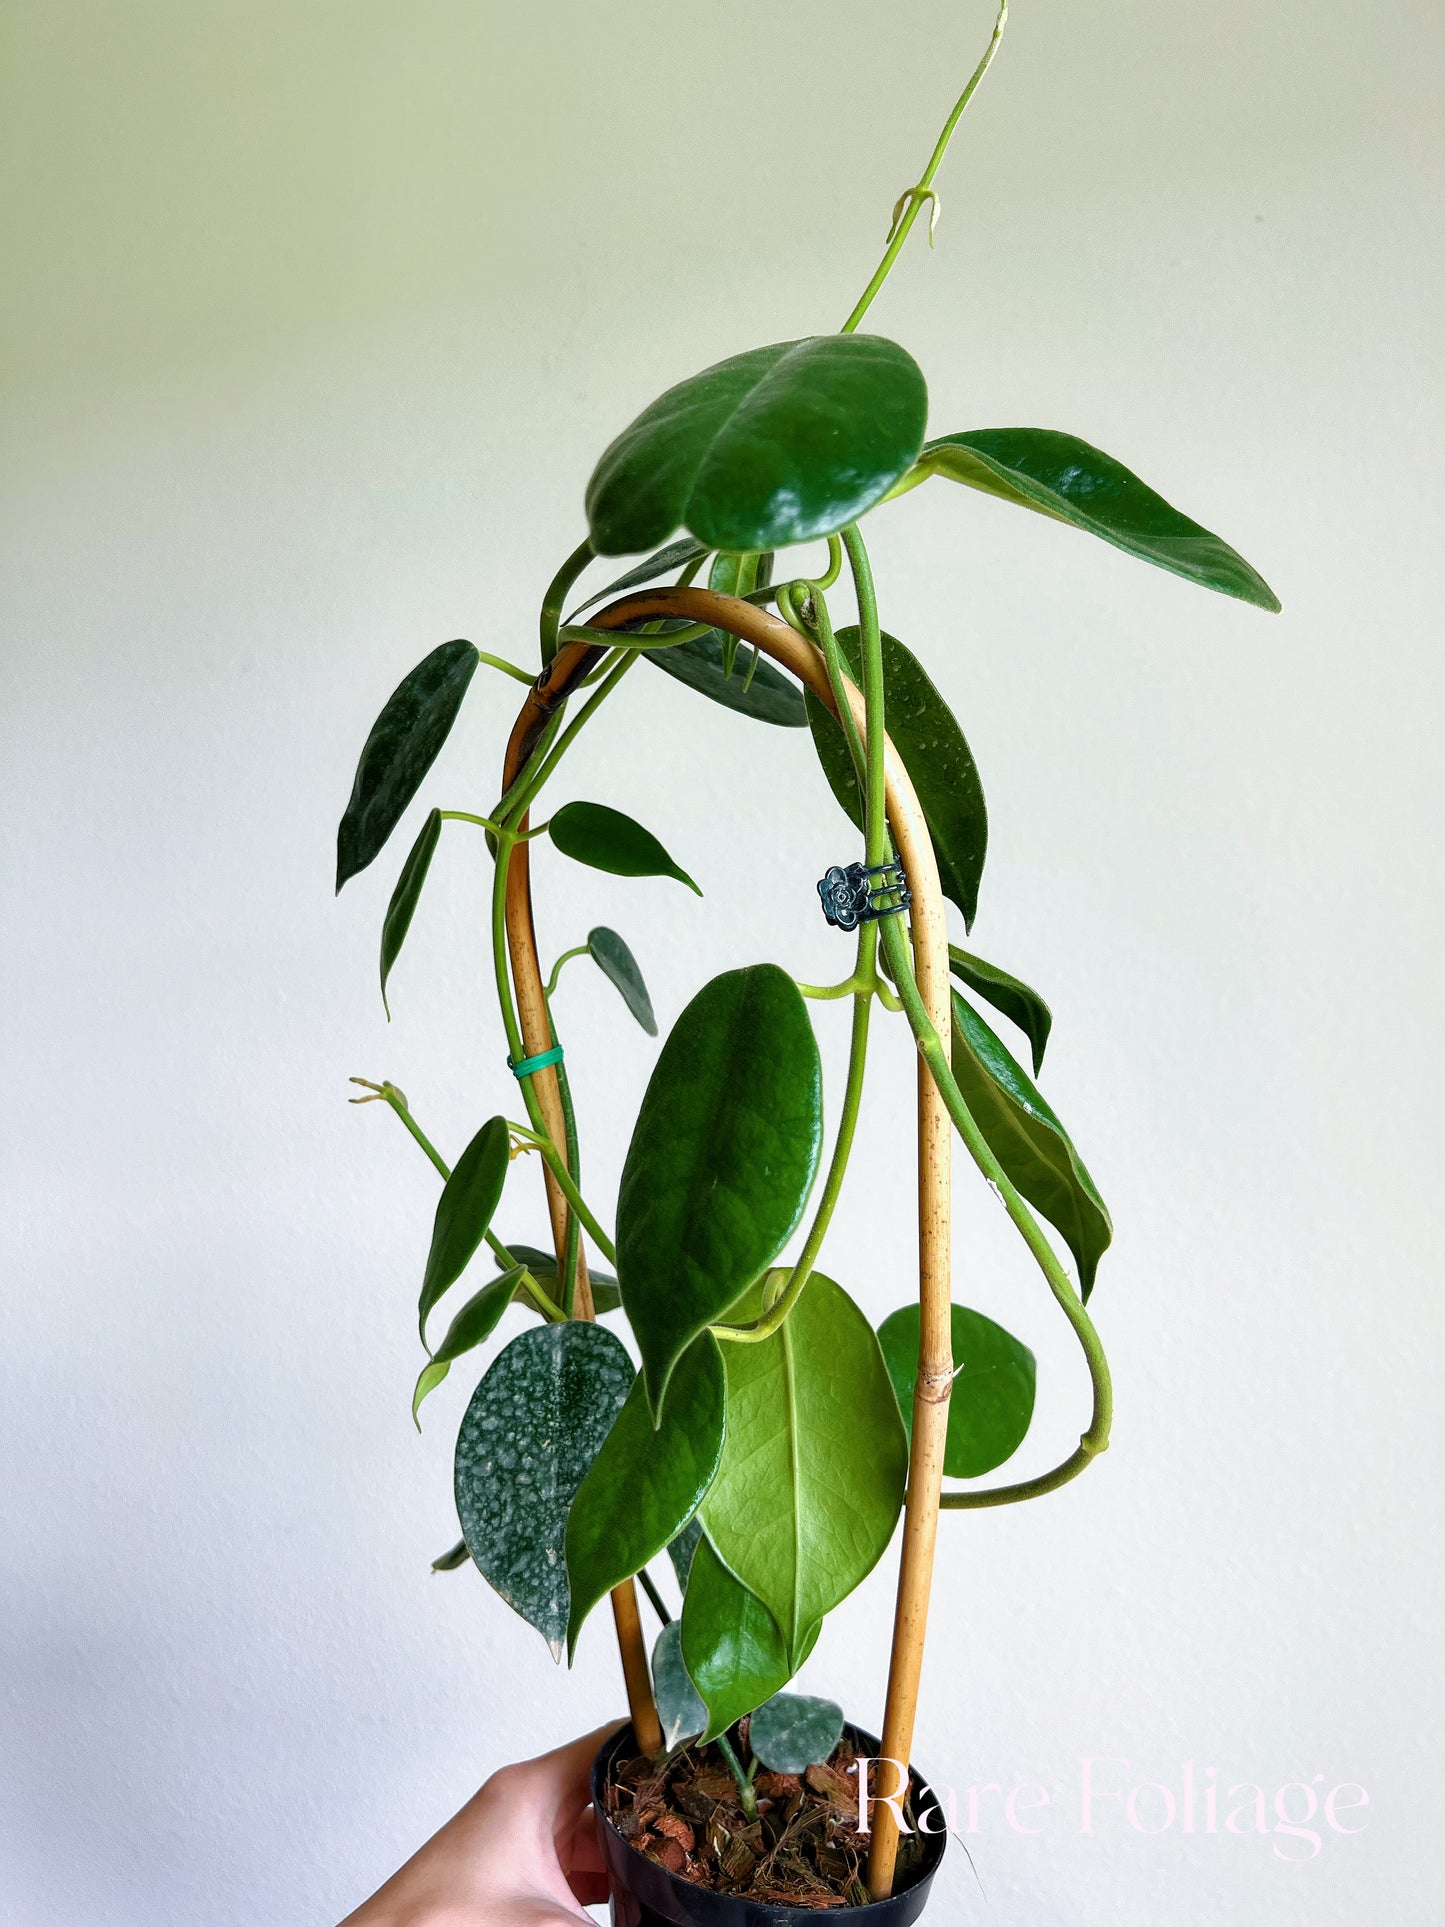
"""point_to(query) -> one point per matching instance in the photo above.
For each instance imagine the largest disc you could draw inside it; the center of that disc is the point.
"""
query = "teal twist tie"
(524, 1067)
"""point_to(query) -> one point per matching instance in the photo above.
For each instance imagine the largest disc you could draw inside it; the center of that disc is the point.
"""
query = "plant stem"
(507, 668)
(746, 1797)
(659, 1604)
(388, 1094)
(916, 196)
(578, 950)
(557, 1166)
(523, 797)
(556, 595)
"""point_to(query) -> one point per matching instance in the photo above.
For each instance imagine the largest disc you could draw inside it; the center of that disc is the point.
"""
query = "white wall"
(317, 316)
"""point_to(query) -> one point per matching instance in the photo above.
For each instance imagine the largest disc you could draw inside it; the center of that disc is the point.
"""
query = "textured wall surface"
(317, 315)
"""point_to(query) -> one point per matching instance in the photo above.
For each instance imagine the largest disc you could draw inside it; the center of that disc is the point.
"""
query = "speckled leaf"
(815, 1460)
(770, 696)
(402, 908)
(936, 755)
(679, 1710)
(1018, 1003)
(793, 1731)
(606, 839)
(618, 965)
(721, 1160)
(1028, 1140)
(645, 1483)
(401, 748)
(682, 1548)
(535, 1424)
(543, 1267)
(677, 555)
(733, 1649)
(1060, 476)
(993, 1388)
(464, 1212)
(475, 1322)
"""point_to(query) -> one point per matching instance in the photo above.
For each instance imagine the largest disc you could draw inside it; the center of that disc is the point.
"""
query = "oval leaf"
(815, 1461)
(769, 447)
(464, 1212)
(401, 748)
(402, 908)
(993, 1387)
(934, 752)
(792, 1731)
(769, 697)
(680, 1712)
(735, 1654)
(1061, 476)
(721, 1161)
(1029, 1141)
(645, 1484)
(475, 1322)
(535, 1424)
(607, 840)
(618, 965)
(543, 1267)
(1019, 1004)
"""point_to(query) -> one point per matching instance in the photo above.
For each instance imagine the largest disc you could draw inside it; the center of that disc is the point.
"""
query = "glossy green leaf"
(734, 575)
(464, 1212)
(721, 1161)
(1061, 476)
(645, 1483)
(455, 1559)
(475, 1322)
(935, 754)
(770, 697)
(535, 1424)
(402, 908)
(734, 1651)
(815, 1461)
(401, 748)
(1029, 1141)
(618, 965)
(993, 1387)
(680, 1712)
(677, 555)
(767, 448)
(793, 1731)
(543, 1267)
(605, 839)
(683, 1547)
(1018, 1003)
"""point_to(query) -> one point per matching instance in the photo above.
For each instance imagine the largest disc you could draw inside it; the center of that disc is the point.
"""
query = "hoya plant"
(767, 1438)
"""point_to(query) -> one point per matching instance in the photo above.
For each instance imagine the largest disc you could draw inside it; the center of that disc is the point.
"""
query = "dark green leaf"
(607, 840)
(453, 1560)
(815, 1461)
(543, 1267)
(721, 1160)
(734, 575)
(402, 908)
(993, 1389)
(936, 756)
(476, 1321)
(1019, 1004)
(535, 1424)
(767, 448)
(683, 1547)
(618, 965)
(645, 1484)
(1029, 1141)
(771, 697)
(733, 1649)
(680, 1712)
(464, 1212)
(401, 748)
(792, 1731)
(677, 555)
(1061, 476)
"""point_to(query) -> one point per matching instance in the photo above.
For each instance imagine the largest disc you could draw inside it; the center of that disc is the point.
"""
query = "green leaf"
(543, 1267)
(1019, 1004)
(475, 1322)
(792, 1731)
(677, 555)
(680, 1712)
(771, 697)
(734, 575)
(815, 1461)
(767, 448)
(731, 1644)
(607, 840)
(936, 756)
(993, 1387)
(1061, 476)
(682, 1548)
(721, 1161)
(535, 1424)
(1029, 1141)
(464, 1212)
(645, 1483)
(401, 748)
(402, 908)
(618, 965)
(452, 1561)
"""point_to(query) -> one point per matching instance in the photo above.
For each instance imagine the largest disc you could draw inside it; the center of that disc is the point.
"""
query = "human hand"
(521, 1853)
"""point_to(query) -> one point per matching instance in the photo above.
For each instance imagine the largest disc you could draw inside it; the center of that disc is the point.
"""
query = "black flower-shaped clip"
(860, 894)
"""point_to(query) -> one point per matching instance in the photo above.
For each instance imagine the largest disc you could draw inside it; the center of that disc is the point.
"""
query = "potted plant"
(770, 1439)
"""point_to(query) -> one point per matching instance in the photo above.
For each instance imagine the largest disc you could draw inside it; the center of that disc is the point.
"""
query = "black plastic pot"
(646, 1895)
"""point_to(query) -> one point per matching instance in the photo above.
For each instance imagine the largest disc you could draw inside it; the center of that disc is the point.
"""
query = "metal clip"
(862, 894)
